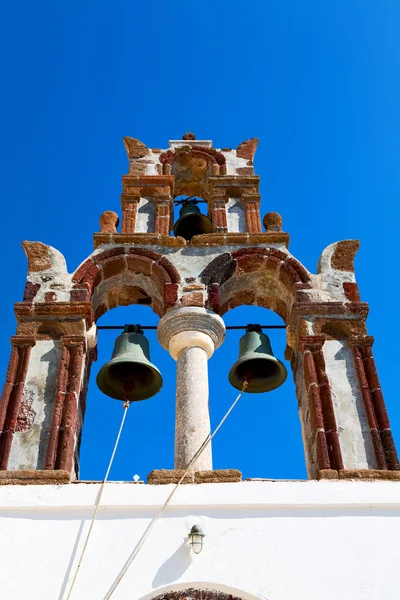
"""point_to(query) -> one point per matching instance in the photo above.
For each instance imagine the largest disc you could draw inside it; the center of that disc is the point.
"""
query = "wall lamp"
(196, 536)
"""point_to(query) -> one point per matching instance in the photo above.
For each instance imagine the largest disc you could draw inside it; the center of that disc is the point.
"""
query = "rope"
(168, 500)
(126, 406)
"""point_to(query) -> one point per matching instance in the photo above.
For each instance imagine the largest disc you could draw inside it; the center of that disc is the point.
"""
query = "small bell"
(130, 375)
(257, 364)
(191, 221)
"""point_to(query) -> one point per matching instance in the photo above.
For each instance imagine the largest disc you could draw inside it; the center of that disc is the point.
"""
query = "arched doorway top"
(261, 276)
(124, 275)
(200, 591)
(193, 594)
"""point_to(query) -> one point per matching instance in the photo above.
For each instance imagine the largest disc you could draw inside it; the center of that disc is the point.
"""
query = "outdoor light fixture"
(196, 538)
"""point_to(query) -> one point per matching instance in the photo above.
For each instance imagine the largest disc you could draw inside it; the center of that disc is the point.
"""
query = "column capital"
(361, 341)
(23, 340)
(219, 198)
(311, 342)
(190, 326)
(165, 199)
(256, 198)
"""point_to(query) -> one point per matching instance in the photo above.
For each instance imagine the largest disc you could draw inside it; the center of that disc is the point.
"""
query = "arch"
(50, 330)
(265, 277)
(199, 591)
(123, 276)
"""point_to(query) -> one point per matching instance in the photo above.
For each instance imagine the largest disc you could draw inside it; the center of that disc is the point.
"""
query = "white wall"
(145, 217)
(29, 446)
(235, 215)
(270, 540)
(351, 419)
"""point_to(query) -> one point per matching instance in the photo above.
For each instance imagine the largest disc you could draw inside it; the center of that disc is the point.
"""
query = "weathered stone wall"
(345, 424)
(354, 432)
(37, 406)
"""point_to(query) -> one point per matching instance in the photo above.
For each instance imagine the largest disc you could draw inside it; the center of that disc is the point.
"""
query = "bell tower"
(192, 271)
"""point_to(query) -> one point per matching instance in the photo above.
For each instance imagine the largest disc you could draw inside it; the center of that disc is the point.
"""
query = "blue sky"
(318, 82)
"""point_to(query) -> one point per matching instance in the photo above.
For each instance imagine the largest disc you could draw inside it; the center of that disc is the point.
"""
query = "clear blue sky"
(318, 82)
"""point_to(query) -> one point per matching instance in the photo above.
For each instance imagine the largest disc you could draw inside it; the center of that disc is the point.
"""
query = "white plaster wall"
(351, 420)
(269, 540)
(29, 446)
(331, 280)
(233, 162)
(235, 215)
(146, 215)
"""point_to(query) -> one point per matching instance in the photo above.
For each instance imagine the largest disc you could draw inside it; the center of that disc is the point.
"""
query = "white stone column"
(191, 334)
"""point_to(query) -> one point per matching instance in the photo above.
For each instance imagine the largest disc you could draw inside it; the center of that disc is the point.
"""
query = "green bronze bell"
(130, 375)
(257, 364)
(191, 222)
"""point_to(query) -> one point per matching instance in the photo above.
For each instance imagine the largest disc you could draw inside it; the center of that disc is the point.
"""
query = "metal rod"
(227, 327)
(262, 326)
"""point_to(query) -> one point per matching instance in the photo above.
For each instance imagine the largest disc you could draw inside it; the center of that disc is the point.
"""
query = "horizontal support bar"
(227, 327)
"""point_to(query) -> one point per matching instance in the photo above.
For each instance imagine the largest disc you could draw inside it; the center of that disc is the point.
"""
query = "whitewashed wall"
(267, 540)
(352, 423)
(30, 440)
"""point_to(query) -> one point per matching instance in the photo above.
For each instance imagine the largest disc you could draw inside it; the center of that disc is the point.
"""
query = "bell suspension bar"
(231, 327)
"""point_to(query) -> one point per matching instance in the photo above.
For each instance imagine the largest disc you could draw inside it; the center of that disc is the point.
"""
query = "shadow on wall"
(174, 567)
(71, 561)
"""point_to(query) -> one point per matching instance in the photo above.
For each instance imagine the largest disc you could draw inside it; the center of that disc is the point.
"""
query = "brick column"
(64, 428)
(130, 204)
(218, 214)
(163, 213)
(252, 210)
(12, 394)
(378, 420)
(322, 414)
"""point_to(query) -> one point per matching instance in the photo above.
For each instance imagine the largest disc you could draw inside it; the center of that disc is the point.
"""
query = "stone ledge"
(355, 310)
(164, 476)
(327, 474)
(34, 477)
(239, 239)
(366, 474)
(144, 239)
(205, 239)
(363, 474)
(26, 311)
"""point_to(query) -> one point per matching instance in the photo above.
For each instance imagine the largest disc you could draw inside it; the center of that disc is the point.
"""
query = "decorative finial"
(189, 135)
(272, 221)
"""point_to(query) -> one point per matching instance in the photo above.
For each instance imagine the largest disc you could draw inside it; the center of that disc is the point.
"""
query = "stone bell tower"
(190, 284)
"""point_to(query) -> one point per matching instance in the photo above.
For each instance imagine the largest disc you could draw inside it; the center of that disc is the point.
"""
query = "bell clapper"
(128, 386)
(248, 376)
(127, 403)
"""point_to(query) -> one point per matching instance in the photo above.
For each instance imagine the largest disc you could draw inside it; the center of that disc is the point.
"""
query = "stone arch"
(50, 330)
(192, 594)
(265, 277)
(199, 591)
(123, 276)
